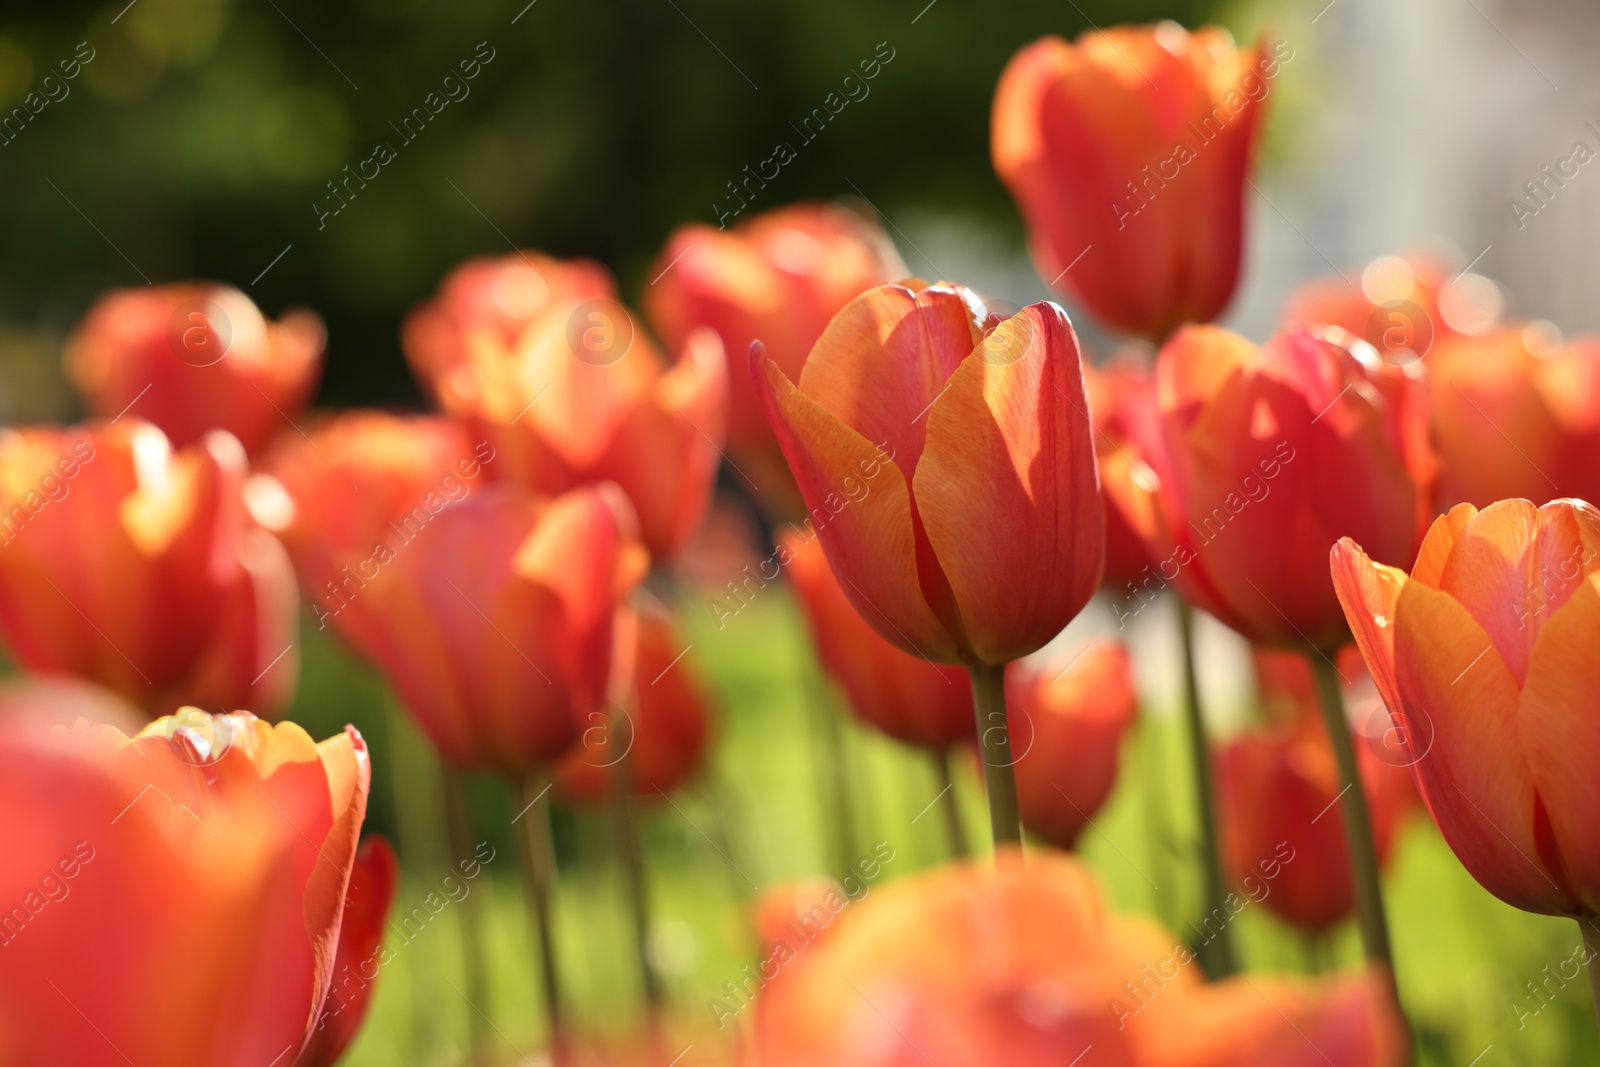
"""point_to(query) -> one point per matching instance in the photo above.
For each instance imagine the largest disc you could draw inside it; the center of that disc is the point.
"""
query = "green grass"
(767, 809)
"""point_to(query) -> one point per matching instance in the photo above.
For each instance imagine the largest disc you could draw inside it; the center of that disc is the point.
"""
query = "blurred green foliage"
(198, 138)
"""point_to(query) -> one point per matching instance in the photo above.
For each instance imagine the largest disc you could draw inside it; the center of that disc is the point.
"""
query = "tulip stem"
(994, 748)
(955, 833)
(458, 825)
(1591, 950)
(627, 839)
(1216, 951)
(1357, 829)
(538, 874)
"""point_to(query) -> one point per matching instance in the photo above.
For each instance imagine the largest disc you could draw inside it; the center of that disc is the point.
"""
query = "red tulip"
(580, 395)
(1261, 459)
(492, 301)
(1278, 788)
(1517, 414)
(776, 278)
(910, 699)
(1023, 965)
(176, 898)
(494, 626)
(138, 568)
(356, 965)
(665, 729)
(1127, 153)
(196, 357)
(1069, 736)
(1485, 656)
(1122, 406)
(356, 489)
(946, 461)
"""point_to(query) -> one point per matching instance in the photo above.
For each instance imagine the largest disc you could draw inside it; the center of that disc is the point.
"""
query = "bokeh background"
(198, 137)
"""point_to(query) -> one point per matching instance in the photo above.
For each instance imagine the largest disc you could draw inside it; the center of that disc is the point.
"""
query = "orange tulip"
(1066, 745)
(175, 898)
(491, 301)
(359, 959)
(1277, 792)
(494, 626)
(1261, 459)
(1025, 966)
(614, 410)
(1517, 414)
(1485, 656)
(945, 458)
(138, 568)
(356, 489)
(1122, 406)
(777, 278)
(196, 357)
(1127, 153)
(663, 733)
(910, 699)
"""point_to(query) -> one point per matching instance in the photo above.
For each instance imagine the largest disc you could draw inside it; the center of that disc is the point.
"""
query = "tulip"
(777, 278)
(1279, 784)
(910, 699)
(358, 961)
(614, 410)
(1517, 414)
(946, 459)
(1484, 655)
(137, 567)
(1026, 966)
(1121, 405)
(492, 300)
(196, 357)
(1074, 720)
(1129, 150)
(664, 732)
(358, 487)
(177, 897)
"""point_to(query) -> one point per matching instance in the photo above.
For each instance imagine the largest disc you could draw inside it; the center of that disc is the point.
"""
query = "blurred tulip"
(1485, 656)
(38, 701)
(358, 962)
(1278, 785)
(491, 301)
(138, 568)
(777, 278)
(1129, 150)
(946, 458)
(356, 489)
(910, 699)
(665, 729)
(175, 898)
(494, 626)
(615, 411)
(196, 357)
(1122, 407)
(1517, 414)
(1069, 742)
(1262, 458)
(1025, 966)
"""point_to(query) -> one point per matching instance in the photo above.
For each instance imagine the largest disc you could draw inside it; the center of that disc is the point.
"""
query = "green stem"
(1591, 946)
(458, 823)
(627, 840)
(994, 747)
(1216, 953)
(833, 774)
(955, 833)
(1357, 828)
(538, 875)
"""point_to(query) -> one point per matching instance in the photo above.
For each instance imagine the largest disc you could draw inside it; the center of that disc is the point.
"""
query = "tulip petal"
(373, 878)
(1439, 542)
(1023, 553)
(1560, 734)
(869, 540)
(1474, 779)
